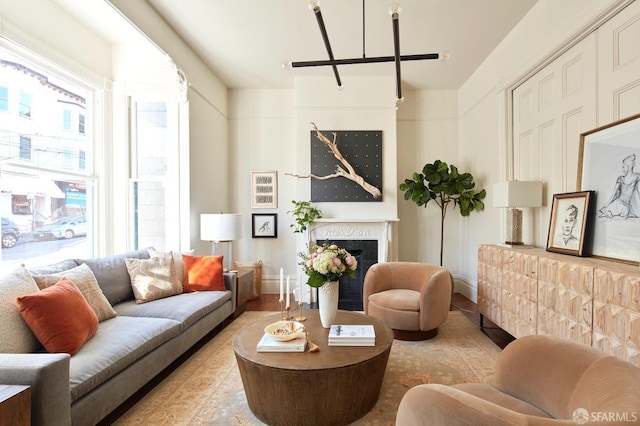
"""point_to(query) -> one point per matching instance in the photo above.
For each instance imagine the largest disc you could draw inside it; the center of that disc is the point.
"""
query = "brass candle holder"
(300, 318)
(284, 316)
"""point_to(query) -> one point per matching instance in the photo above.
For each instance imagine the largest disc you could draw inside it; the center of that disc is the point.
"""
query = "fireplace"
(366, 253)
(372, 240)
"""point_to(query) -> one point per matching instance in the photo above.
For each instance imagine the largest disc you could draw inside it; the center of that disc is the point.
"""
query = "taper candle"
(288, 293)
(281, 283)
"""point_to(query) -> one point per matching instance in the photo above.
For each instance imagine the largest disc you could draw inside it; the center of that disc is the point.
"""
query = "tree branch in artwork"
(349, 173)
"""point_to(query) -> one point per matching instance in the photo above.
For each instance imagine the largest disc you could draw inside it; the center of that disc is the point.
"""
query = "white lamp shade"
(517, 193)
(220, 227)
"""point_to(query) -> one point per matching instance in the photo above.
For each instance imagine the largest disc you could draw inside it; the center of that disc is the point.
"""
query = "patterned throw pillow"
(85, 280)
(177, 260)
(203, 273)
(15, 335)
(153, 278)
(59, 316)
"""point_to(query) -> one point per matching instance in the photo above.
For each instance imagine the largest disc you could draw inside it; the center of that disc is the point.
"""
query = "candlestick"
(300, 318)
(288, 294)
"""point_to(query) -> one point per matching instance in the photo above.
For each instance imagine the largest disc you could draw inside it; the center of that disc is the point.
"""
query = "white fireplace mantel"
(356, 229)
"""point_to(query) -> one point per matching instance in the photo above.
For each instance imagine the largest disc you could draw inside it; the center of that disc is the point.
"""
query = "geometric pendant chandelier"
(394, 11)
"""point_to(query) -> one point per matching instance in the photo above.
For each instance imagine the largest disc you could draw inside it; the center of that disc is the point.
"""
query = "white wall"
(427, 131)
(484, 140)
(269, 130)
(210, 170)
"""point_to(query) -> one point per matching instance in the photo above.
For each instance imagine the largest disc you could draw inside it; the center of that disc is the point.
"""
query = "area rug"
(207, 388)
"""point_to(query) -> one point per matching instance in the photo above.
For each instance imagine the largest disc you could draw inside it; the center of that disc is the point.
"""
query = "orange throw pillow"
(203, 273)
(59, 316)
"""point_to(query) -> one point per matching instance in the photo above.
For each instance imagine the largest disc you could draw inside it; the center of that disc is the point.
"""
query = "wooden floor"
(269, 302)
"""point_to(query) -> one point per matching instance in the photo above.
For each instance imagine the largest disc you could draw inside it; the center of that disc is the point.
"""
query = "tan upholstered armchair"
(539, 380)
(412, 298)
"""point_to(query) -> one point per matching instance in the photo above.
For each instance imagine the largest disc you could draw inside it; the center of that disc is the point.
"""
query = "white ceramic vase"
(328, 302)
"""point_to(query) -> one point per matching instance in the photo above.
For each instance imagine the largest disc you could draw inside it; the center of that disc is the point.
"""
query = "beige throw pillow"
(83, 277)
(177, 260)
(15, 335)
(153, 278)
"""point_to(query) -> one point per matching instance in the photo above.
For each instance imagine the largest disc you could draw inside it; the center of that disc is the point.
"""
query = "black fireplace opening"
(366, 253)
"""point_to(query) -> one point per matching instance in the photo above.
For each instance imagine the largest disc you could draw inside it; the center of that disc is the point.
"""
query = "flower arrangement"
(327, 262)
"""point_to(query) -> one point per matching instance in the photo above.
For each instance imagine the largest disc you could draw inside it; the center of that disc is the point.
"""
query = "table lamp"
(514, 195)
(221, 229)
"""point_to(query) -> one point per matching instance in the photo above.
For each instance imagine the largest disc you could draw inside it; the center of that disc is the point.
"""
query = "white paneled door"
(595, 82)
(550, 110)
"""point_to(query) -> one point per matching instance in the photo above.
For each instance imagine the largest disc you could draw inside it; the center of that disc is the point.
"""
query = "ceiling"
(245, 42)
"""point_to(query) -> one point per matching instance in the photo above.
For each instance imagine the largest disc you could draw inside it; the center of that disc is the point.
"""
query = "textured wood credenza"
(587, 300)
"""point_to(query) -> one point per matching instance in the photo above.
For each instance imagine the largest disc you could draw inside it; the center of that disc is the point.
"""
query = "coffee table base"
(335, 386)
(322, 397)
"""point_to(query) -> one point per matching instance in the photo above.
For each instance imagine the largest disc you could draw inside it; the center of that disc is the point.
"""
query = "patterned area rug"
(207, 388)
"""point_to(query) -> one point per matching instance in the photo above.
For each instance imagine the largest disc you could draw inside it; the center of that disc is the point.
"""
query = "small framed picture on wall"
(264, 225)
(569, 224)
(264, 190)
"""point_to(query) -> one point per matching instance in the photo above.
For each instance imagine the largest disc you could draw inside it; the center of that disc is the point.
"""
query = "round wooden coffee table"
(335, 386)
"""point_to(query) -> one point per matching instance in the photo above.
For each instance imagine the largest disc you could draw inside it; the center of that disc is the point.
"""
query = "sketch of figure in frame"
(624, 202)
(566, 237)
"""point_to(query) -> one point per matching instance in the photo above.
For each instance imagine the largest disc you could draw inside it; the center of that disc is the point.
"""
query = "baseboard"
(466, 288)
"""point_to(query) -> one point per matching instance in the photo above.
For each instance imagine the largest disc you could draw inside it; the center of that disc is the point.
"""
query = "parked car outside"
(65, 227)
(10, 233)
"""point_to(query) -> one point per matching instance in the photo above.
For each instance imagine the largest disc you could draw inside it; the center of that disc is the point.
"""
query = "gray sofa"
(126, 352)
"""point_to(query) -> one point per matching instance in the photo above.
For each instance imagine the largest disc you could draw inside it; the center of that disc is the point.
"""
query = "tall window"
(46, 182)
(25, 104)
(4, 99)
(66, 120)
(149, 172)
(25, 148)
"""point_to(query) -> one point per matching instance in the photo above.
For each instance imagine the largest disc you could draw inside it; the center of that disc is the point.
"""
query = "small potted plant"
(303, 215)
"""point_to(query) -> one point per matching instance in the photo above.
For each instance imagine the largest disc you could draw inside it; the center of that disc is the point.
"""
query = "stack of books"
(269, 344)
(352, 335)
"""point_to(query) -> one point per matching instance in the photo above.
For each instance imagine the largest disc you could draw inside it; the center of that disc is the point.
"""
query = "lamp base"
(514, 245)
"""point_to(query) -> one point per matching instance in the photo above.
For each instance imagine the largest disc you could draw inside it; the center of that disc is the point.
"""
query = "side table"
(244, 290)
(15, 405)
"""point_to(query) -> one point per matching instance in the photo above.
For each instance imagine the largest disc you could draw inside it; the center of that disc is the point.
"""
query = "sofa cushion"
(118, 343)
(59, 316)
(15, 334)
(85, 280)
(187, 308)
(177, 260)
(203, 273)
(54, 267)
(153, 278)
(112, 275)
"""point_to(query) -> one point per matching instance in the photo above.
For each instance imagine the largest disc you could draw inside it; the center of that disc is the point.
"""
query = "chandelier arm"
(325, 38)
(396, 47)
(370, 60)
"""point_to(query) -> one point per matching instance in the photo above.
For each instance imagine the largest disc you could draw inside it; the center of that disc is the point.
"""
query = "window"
(81, 124)
(46, 181)
(25, 148)
(68, 159)
(4, 99)
(25, 104)
(66, 120)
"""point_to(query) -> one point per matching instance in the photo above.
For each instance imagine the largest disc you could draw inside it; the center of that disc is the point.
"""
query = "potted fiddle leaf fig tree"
(444, 185)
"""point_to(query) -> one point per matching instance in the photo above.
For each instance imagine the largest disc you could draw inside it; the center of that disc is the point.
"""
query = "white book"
(352, 332)
(269, 344)
(362, 343)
